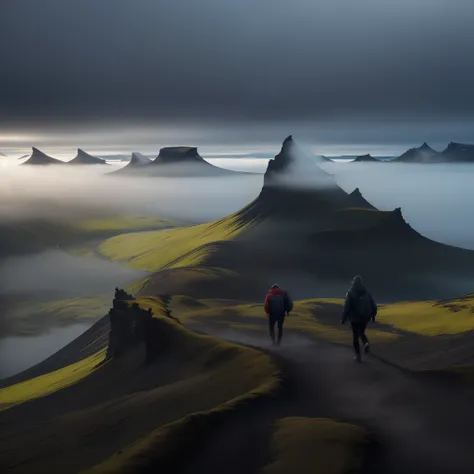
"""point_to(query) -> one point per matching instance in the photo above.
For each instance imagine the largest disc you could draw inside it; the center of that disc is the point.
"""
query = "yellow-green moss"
(312, 445)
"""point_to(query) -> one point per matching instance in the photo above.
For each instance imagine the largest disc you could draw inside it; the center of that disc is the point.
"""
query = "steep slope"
(356, 199)
(458, 153)
(422, 154)
(40, 158)
(304, 232)
(81, 414)
(83, 158)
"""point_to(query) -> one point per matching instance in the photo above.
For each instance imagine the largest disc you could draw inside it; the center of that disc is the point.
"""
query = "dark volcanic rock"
(40, 158)
(83, 158)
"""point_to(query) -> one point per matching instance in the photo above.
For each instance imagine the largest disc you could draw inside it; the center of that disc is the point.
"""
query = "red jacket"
(272, 292)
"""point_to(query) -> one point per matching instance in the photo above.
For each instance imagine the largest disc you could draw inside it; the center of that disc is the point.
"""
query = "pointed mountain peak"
(425, 146)
(395, 220)
(139, 160)
(40, 158)
(84, 158)
(294, 168)
(356, 199)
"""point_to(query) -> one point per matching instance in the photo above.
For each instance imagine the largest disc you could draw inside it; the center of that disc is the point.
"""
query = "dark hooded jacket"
(356, 290)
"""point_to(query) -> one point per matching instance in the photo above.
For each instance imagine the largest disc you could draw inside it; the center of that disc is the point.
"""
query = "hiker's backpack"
(277, 305)
(363, 306)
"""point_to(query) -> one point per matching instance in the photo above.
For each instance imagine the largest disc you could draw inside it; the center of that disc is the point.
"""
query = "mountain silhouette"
(307, 233)
(136, 162)
(366, 158)
(356, 199)
(422, 154)
(40, 158)
(181, 161)
(83, 158)
(458, 153)
(178, 154)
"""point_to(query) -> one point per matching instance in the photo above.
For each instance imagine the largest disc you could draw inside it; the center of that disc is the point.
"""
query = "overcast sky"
(357, 71)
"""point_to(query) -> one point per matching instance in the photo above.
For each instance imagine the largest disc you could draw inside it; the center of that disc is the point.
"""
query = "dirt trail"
(419, 425)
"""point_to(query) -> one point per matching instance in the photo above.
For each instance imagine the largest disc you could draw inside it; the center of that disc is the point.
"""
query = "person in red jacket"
(278, 304)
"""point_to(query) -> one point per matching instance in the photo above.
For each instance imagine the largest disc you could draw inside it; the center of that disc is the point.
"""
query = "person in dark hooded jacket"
(278, 304)
(359, 309)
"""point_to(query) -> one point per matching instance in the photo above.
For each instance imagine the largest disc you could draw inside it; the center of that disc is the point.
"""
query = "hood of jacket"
(276, 291)
(357, 289)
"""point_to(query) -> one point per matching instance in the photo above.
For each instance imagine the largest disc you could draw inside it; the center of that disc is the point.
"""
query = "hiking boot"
(357, 358)
(366, 347)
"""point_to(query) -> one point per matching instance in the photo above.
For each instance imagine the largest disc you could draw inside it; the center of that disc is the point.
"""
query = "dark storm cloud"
(244, 59)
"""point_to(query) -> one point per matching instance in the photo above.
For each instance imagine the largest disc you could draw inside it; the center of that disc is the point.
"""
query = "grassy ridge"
(431, 318)
(49, 383)
(307, 446)
(179, 247)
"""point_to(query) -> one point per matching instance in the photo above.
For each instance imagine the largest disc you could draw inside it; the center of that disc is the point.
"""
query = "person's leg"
(355, 339)
(271, 324)
(281, 319)
(364, 338)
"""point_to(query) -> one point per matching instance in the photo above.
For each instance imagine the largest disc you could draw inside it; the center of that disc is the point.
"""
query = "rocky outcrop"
(40, 158)
(83, 158)
(131, 325)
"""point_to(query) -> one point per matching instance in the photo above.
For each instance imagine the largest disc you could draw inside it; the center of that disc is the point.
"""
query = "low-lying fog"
(435, 199)
(57, 191)
(18, 353)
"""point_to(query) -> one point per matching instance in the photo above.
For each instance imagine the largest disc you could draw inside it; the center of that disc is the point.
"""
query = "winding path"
(420, 425)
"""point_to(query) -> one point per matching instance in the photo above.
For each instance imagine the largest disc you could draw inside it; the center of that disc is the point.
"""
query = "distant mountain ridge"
(458, 153)
(367, 158)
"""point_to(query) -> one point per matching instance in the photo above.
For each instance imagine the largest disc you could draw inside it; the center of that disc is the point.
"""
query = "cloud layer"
(212, 60)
